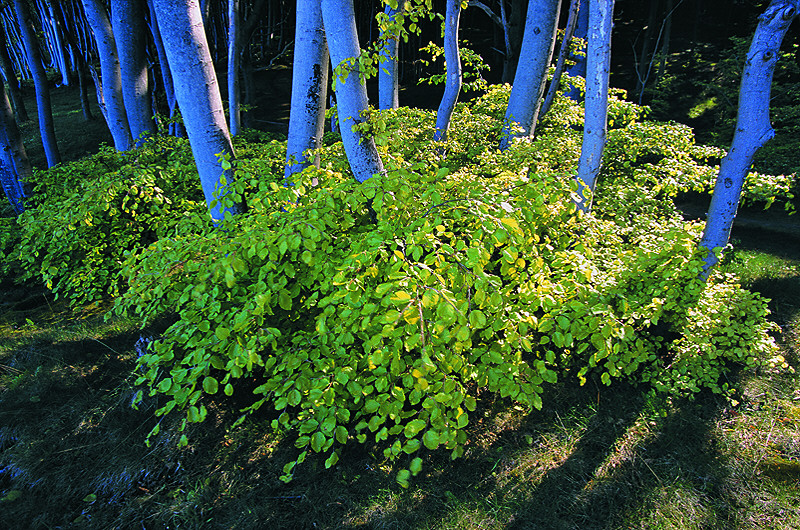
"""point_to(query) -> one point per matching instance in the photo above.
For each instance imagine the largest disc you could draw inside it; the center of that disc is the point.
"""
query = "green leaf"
(331, 461)
(403, 476)
(414, 427)
(222, 333)
(431, 439)
(210, 385)
(416, 466)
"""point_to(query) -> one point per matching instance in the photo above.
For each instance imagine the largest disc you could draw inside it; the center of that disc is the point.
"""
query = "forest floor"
(72, 451)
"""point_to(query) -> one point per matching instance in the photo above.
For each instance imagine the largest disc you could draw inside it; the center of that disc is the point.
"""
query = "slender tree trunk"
(753, 128)
(598, 63)
(351, 92)
(197, 91)
(572, 20)
(174, 128)
(10, 76)
(112, 103)
(59, 49)
(43, 106)
(234, 51)
(78, 60)
(665, 42)
(579, 68)
(16, 167)
(130, 36)
(309, 87)
(452, 59)
(529, 81)
(388, 87)
(645, 58)
(516, 31)
(249, 26)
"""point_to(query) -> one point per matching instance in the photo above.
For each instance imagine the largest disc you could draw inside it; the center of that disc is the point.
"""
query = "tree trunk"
(537, 50)
(579, 68)
(16, 169)
(234, 51)
(309, 87)
(112, 103)
(452, 59)
(351, 92)
(59, 49)
(11, 79)
(598, 63)
(572, 20)
(753, 128)
(130, 36)
(516, 31)
(645, 59)
(388, 87)
(43, 106)
(197, 91)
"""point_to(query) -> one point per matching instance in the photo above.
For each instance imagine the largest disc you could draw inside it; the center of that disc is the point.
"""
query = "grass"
(72, 450)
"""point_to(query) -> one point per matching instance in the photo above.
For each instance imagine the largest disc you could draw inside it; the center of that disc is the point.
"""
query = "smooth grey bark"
(453, 80)
(538, 43)
(16, 168)
(388, 87)
(234, 62)
(10, 76)
(130, 34)
(309, 87)
(598, 64)
(111, 100)
(197, 91)
(516, 31)
(569, 30)
(351, 92)
(43, 106)
(753, 128)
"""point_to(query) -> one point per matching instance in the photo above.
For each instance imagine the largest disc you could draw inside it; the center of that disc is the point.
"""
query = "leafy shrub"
(379, 311)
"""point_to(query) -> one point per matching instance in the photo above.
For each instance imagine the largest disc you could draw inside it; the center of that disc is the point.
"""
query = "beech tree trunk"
(579, 68)
(351, 92)
(234, 50)
(43, 106)
(111, 102)
(388, 87)
(309, 87)
(753, 128)
(197, 91)
(535, 55)
(130, 34)
(572, 20)
(10, 76)
(16, 169)
(452, 59)
(598, 64)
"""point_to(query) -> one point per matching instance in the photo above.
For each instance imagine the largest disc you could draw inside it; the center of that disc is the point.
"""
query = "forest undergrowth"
(637, 445)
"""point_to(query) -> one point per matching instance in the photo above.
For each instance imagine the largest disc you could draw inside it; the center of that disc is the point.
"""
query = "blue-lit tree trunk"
(10, 76)
(753, 128)
(130, 34)
(351, 92)
(579, 68)
(534, 59)
(174, 128)
(309, 87)
(197, 90)
(452, 59)
(15, 169)
(555, 83)
(388, 87)
(43, 106)
(234, 64)
(598, 64)
(112, 103)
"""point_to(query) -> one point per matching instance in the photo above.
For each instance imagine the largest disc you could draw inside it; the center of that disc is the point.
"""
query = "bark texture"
(130, 34)
(43, 106)
(538, 43)
(753, 128)
(598, 64)
(351, 92)
(111, 102)
(309, 87)
(388, 87)
(15, 168)
(197, 91)
(452, 58)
